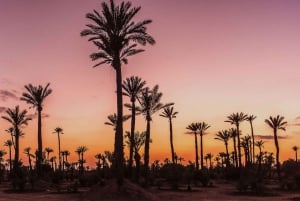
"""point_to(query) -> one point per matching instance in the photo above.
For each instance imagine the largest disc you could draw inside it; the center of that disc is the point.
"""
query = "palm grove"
(117, 36)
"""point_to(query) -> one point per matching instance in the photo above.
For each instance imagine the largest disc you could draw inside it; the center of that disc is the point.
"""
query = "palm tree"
(35, 96)
(48, 150)
(233, 135)
(209, 156)
(224, 136)
(9, 144)
(246, 144)
(29, 155)
(149, 104)
(169, 113)
(17, 118)
(295, 148)
(250, 118)
(59, 131)
(260, 145)
(202, 127)
(80, 151)
(117, 37)
(276, 123)
(194, 128)
(12, 135)
(236, 119)
(53, 161)
(132, 87)
(112, 120)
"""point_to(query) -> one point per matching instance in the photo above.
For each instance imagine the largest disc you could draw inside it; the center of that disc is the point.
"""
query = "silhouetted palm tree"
(209, 156)
(53, 162)
(132, 87)
(246, 144)
(260, 145)
(35, 95)
(29, 155)
(250, 118)
(48, 150)
(236, 119)
(224, 136)
(59, 131)
(117, 37)
(80, 151)
(194, 128)
(9, 144)
(276, 123)
(233, 135)
(295, 148)
(12, 135)
(113, 120)
(170, 114)
(202, 127)
(17, 118)
(149, 104)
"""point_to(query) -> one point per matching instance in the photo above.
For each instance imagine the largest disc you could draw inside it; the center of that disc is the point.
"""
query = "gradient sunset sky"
(212, 58)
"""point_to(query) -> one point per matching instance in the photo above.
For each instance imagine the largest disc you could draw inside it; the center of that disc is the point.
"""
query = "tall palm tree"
(193, 127)
(276, 123)
(9, 144)
(117, 37)
(233, 135)
(202, 127)
(48, 150)
(132, 87)
(35, 96)
(224, 136)
(295, 148)
(250, 118)
(149, 104)
(59, 131)
(170, 114)
(29, 155)
(236, 119)
(17, 118)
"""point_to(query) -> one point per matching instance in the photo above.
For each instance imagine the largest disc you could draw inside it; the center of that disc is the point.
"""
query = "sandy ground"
(222, 192)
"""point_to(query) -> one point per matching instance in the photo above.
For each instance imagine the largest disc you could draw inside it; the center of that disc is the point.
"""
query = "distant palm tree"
(48, 150)
(250, 118)
(246, 144)
(224, 136)
(117, 37)
(149, 104)
(260, 145)
(233, 135)
(236, 119)
(67, 153)
(98, 157)
(36, 95)
(295, 148)
(29, 155)
(202, 127)
(194, 128)
(209, 156)
(17, 118)
(53, 162)
(80, 151)
(59, 131)
(9, 144)
(170, 114)
(12, 135)
(113, 120)
(276, 123)
(132, 87)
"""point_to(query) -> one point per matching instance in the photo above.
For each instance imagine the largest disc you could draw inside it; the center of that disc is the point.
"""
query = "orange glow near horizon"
(211, 59)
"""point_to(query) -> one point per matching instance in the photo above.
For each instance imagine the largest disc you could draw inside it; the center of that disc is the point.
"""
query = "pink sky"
(212, 58)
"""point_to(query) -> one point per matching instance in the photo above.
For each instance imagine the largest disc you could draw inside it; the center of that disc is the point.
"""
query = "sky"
(211, 58)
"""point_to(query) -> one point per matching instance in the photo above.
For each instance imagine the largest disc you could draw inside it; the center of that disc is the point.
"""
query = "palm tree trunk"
(10, 162)
(40, 145)
(253, 143)
(196, 151)
(239, 146)
(59, 154)
(147, 149)
(235, 152)
(171, 141)
(119, 152)
(227, 155)
(201, 149)
(277, 154)
(296, 156)
(16, 162)
(132, 137)
(29, 160)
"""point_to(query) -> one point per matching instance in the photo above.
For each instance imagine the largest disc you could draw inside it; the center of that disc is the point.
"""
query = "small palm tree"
(132, 87)
(233, 135)
(246, 144)
(9, 144)
(295, 148)
(170, 114)
(236, 119)
(209, 156)
(80, 151)
(117, 37)
(12, 135)
(250, 118)
(202, 128)
(113, 120)
(59, 131)
(193, 127)
(17, 118)
(53, 162)
(224, 136)
(29, 155)
(35, 96)
(276, 123)
(48, 150)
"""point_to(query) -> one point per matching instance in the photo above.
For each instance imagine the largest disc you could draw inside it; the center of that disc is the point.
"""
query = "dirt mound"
(110, 192)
